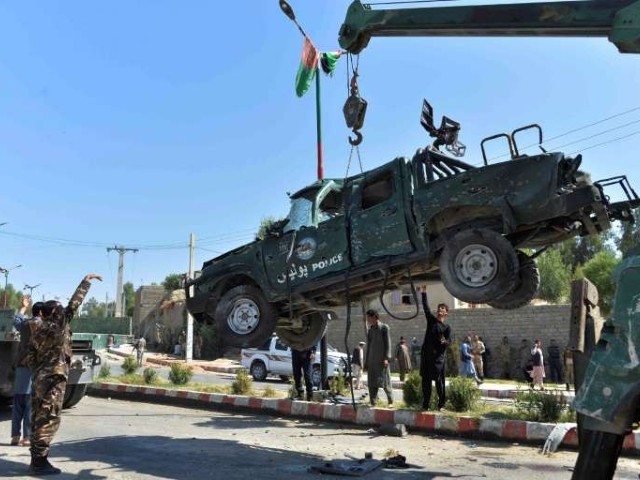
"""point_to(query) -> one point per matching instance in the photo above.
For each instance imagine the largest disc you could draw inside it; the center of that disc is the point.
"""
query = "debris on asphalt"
(351, 468)
(393, 430)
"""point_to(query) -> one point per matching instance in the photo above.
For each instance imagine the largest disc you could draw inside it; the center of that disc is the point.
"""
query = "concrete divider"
(440, 423)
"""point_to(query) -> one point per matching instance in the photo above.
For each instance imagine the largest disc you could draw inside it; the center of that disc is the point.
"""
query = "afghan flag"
(308, 67)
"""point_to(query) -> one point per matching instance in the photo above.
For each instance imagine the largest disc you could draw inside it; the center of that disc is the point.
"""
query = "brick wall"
(544, 322)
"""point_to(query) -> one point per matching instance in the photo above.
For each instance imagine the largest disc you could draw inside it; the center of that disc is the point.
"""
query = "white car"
(274, 358)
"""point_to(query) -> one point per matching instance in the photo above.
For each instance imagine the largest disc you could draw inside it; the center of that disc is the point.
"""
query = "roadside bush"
(412, 389)
(452, 359)
(462, 394)
(269, 392)
(129, 365)
(180, 374)
(537, 406)
(150, 376)
(105, 371)
(243, 383)
(338, 385)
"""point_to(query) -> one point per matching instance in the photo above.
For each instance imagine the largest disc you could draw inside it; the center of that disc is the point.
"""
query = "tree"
(579, 250)
(265, 224)
(599, 270)
(14, 297)
(129, 298)
(555, 276)
(172, 282)
(630, 235)
(93, 308)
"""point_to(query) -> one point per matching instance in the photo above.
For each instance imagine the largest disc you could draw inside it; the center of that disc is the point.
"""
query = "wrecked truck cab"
(432, 216)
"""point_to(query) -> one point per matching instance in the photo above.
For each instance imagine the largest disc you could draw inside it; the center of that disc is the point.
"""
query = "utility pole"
(119, 291)
(31, 288)
(192, 245)
(6, 271)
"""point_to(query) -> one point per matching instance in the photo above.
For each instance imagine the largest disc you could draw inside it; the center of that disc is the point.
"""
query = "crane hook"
(357, 141)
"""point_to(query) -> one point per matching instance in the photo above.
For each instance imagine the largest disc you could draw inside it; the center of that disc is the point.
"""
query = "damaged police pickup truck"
(429, 216)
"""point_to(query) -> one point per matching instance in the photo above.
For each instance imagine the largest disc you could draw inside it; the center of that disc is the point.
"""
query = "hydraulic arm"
(619, 20)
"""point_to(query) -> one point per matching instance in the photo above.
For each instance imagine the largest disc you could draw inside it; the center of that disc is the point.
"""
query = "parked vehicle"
(274, 358)
(81, 371)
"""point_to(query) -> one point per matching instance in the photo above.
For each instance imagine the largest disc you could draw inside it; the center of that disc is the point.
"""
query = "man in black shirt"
(436, 338)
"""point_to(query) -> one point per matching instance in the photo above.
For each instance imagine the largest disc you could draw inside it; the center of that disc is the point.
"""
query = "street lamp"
(31, 288)
(6, 281)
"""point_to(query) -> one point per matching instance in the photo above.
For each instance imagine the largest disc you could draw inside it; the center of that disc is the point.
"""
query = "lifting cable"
(384, 289)
(347, 295)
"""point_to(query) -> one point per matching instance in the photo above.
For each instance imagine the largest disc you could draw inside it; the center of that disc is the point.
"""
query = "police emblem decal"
(306, 248)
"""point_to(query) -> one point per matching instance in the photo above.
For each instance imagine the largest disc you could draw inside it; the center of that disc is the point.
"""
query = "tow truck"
(606, 354)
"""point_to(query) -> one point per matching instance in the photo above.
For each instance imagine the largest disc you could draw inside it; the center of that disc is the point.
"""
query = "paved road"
(114, 439)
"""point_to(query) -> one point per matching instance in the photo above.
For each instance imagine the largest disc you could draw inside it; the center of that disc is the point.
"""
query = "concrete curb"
(508, 430)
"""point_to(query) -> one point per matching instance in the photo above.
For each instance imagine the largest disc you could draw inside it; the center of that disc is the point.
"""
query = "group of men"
(42, 372)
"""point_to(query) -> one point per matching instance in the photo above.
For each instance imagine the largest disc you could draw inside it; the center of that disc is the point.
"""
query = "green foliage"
(129, 299)
(599, 270)
(14, 297)
(180, 374)
(452, 359)
(265, 223)
(172, 282)
(269, 392)
(105, 371)
(630, 235)
(555, 276)
(412, 390)
(150, 376)
(537, 406)
(462, 394)
(94, 308)
(338, 385)
(130, 365)
(211, 344)
(243, 384)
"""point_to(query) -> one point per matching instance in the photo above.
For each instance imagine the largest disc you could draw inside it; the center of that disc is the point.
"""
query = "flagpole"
(288, 11)
(319, 127)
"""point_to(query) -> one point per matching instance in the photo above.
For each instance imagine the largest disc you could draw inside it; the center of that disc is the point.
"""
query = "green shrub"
(452, 359)
(463, 394)
(243, 383)
(269, 392)
(180, 374)
(537, 406)
(105, 371)
(412, 390)
(338, 385)
(130, 365)
(150, 376)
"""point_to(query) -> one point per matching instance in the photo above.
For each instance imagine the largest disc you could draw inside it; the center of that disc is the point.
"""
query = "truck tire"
(73, 394)
(526, 289)
(244, 318)
(258, 371)
(313, 328)
(478, 265)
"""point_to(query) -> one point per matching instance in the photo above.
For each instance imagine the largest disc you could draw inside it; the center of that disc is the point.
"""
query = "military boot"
(40, 466)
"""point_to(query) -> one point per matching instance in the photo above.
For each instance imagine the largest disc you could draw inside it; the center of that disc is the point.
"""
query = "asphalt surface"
(114, 439)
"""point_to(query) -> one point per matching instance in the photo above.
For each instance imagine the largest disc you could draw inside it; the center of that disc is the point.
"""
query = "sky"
(137, 123)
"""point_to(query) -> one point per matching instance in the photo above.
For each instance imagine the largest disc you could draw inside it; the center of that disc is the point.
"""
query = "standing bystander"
(567, 355)
(477, 351)
(415, 352)
(524, 356)
(357, 362)
(378, 358)
(555, 362)
(403, 360)
(49, 357)
(467, 366)
(301, 362)
(197, 346)
(139, 348)
(538, 373)
(436, 339)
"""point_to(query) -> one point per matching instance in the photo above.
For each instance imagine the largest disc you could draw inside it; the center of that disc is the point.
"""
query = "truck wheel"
(526, 289)
(258, 371)
(244, 318)
(478, 265)
(313, 328)
(73, 394)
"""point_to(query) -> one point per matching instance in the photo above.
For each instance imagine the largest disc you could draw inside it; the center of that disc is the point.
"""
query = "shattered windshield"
(299, 215)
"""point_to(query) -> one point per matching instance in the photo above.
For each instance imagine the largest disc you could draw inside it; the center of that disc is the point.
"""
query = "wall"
(544, 322)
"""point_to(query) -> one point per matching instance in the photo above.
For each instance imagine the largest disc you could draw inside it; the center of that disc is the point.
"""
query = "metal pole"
(189, 354)
(319, 127)
(119, 291)
(6, 281)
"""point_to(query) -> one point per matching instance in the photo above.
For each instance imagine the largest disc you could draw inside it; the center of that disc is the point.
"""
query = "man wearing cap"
(357, 362)
(378, 358)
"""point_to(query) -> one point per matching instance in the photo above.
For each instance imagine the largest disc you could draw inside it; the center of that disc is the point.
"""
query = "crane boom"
(619, 20)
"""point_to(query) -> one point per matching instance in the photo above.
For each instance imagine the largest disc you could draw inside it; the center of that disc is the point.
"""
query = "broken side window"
(377, 191)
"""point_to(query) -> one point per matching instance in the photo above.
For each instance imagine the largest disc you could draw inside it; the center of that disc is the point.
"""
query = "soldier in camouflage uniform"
(49, 357)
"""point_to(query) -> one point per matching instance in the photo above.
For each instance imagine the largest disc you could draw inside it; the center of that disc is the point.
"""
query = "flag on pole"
(307, 68)
(328, 61)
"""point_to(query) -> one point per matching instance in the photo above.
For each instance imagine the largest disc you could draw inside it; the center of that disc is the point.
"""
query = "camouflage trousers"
(47, 396)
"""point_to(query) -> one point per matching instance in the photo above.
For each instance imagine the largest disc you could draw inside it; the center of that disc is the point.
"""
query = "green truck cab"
(81, 370)
(430, 216)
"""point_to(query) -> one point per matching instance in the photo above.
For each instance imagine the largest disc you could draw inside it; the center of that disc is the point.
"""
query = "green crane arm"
(619, 20)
